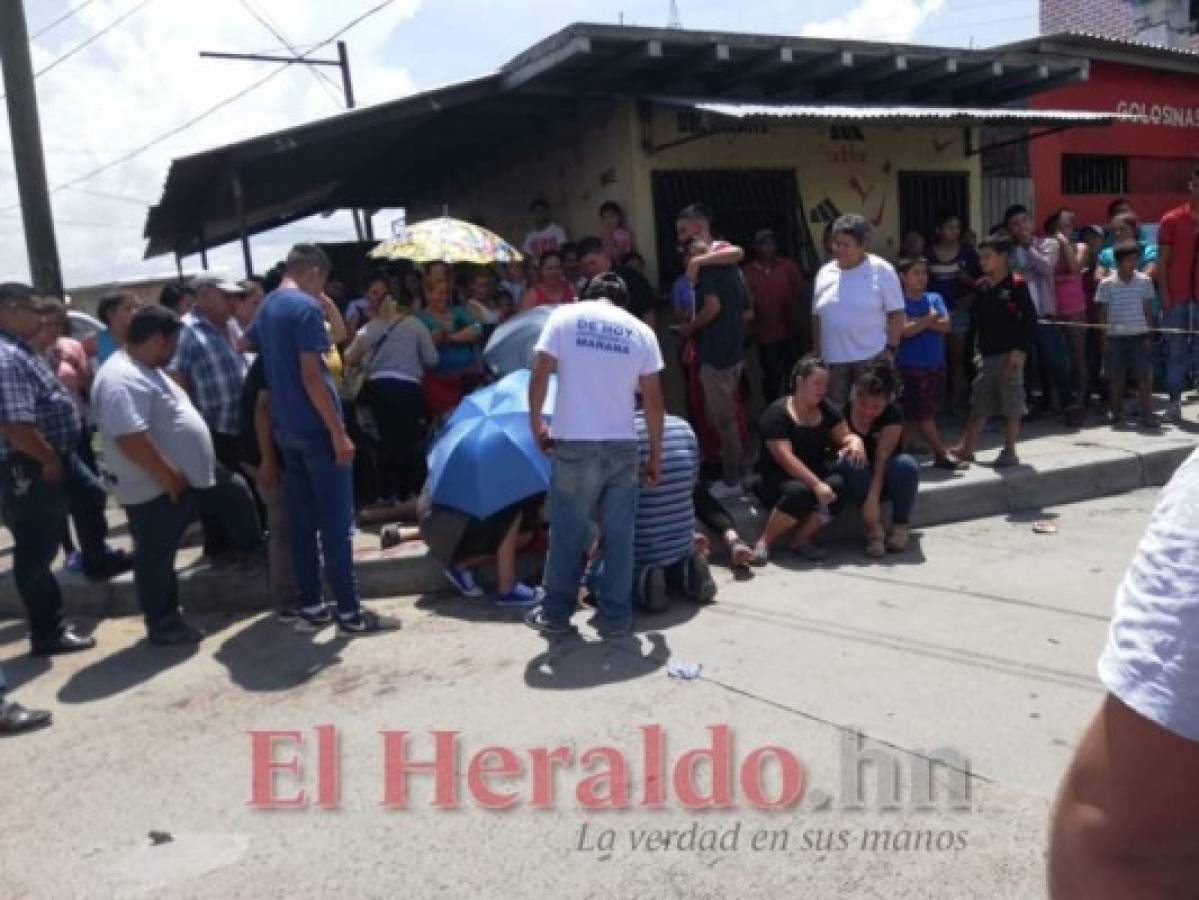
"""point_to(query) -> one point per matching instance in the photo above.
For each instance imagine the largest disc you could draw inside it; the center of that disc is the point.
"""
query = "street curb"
(944, 497)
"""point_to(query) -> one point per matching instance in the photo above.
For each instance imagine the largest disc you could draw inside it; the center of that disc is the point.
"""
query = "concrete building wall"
(858, 176)
(600, 155)
(576, 166)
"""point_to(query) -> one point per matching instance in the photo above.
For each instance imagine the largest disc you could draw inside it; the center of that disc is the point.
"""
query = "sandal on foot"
(743, 555)
(950, 462)
(874, 544)
(899, 538)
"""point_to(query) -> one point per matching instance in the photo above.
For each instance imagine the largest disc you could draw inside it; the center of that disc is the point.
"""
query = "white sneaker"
(722, 491)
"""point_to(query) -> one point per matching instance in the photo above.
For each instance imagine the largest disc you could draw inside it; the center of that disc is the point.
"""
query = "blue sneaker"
(520, 595)
(463, 581)
(74, 561)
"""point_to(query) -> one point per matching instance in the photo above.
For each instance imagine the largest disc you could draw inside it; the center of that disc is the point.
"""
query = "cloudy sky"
(143, 78)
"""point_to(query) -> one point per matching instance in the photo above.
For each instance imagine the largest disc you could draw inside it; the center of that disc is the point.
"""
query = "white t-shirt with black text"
(602, 352)
(853, 305)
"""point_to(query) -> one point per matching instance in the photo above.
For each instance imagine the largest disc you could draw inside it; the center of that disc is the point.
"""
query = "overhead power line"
(88, 41)
(109, 196)
(233, 98)
(91, 40)
(67, 15)
(268, 23)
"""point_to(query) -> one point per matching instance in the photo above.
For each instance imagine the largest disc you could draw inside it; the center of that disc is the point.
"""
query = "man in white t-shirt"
(603, 356)
(546, 235)
(857, 307)
(1126, 823)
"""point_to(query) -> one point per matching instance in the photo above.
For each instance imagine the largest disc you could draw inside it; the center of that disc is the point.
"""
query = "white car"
(80, 325)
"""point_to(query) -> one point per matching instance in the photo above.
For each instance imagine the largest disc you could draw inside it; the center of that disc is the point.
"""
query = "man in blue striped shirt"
(664, 539)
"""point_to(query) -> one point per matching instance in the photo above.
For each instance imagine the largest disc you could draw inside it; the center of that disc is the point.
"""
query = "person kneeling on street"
(880, 473)
(159, 458)
(462, 542)
(665, 559)
(797, 479)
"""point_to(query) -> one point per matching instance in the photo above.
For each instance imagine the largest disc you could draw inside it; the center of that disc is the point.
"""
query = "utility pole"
(364, 231)
(28, 159)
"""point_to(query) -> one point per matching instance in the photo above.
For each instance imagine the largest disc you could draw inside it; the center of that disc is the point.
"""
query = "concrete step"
(1057, 469)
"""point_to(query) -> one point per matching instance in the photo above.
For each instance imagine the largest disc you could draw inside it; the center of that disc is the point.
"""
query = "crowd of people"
(277, 410)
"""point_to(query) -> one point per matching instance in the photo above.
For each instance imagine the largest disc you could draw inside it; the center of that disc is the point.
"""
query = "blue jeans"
(590, 477)
(900, 485)
(1054, 364)
(320, 501)
(1182, 350)
(37, 514)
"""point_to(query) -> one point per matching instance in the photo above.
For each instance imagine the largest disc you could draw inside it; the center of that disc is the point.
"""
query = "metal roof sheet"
(902, 113)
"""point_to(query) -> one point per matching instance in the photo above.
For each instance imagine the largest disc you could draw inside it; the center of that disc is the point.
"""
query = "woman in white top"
(394, 348)
(857, 307)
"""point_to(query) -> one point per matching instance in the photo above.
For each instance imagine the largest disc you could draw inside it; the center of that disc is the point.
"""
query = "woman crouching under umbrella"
(884, 474)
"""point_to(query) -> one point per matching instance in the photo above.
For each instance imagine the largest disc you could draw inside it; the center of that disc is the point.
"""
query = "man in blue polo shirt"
(316, 452)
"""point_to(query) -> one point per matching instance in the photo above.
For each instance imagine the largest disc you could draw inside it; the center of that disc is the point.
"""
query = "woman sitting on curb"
(873, 416)
(797, 479)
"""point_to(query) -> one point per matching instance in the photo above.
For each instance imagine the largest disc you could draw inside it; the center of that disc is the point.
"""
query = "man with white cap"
(212, 370)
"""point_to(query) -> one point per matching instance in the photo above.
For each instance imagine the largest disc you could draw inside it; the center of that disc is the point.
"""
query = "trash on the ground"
(684, 670)
(1044, 527)
(161, 837)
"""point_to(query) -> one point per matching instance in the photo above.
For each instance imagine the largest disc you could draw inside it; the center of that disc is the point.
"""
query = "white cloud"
(145, 77)
(877, 20)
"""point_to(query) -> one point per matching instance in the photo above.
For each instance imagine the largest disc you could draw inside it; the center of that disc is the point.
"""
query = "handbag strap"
(378, 345)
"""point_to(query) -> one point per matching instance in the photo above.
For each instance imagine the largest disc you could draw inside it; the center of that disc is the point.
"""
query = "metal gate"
(742, 201)
(925, 196)
(999, 194)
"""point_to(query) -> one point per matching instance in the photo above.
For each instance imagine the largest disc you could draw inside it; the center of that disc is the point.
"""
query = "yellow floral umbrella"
(447, 240)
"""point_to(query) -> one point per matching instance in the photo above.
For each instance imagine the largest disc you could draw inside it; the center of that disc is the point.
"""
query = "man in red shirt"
(1178, 288)
(776, 286)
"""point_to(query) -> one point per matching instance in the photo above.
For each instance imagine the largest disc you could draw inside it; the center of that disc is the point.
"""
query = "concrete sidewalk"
(1057, 467)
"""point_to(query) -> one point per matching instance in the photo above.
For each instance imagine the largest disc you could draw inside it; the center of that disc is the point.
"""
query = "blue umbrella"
(486, 458)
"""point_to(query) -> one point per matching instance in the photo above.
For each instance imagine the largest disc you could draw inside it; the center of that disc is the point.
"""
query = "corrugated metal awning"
(946, 115)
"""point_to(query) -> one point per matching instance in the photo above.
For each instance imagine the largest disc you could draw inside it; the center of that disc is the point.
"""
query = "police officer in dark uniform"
(42, 478)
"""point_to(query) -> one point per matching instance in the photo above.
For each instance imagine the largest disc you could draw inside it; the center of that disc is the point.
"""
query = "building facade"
(1167, 23)
(1146, 158)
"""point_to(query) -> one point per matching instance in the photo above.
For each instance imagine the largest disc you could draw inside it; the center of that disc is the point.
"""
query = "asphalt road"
(973, 653)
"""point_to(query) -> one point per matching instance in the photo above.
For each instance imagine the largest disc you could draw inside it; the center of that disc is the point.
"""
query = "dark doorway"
(742, 201)
(923, 196)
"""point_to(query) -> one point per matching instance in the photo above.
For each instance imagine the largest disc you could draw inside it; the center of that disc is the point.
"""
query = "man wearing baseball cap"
(212, 370)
